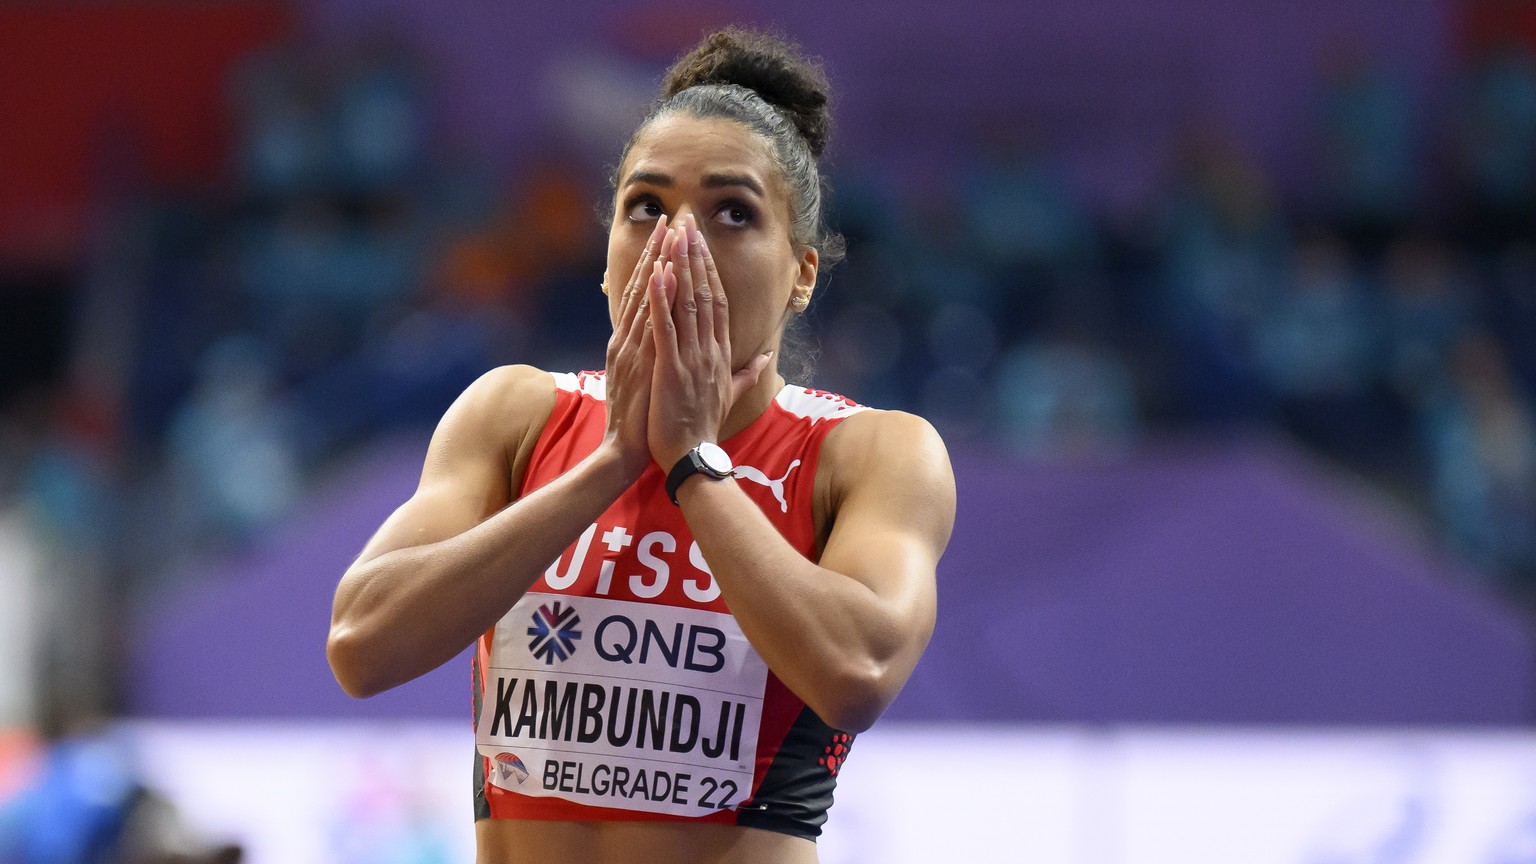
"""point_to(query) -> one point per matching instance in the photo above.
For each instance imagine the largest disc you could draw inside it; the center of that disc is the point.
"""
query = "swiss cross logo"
(554, 632)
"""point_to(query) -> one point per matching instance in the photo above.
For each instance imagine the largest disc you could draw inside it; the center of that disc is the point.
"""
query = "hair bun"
(767, 64)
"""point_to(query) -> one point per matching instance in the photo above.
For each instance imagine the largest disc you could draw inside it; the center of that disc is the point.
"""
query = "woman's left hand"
(694, 385)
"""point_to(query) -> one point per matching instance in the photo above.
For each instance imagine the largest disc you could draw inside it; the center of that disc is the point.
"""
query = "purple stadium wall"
(1233, 585)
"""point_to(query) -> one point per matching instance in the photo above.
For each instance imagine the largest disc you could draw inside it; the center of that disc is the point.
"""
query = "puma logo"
(747, 472)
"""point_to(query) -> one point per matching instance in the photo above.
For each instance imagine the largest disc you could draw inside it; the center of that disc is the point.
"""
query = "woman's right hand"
(632, 357)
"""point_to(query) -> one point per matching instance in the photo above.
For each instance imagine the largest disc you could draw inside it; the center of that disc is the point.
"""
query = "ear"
(805, 279)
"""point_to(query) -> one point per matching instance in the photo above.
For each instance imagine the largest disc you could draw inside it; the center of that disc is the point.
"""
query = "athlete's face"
(725, 176)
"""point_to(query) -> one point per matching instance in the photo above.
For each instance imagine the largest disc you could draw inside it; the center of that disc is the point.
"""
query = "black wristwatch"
(707, 459)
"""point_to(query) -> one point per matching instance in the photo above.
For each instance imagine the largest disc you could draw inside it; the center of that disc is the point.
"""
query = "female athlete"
(743, 569)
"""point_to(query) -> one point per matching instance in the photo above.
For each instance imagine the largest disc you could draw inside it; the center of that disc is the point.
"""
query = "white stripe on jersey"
(816, 405)
(594, 384)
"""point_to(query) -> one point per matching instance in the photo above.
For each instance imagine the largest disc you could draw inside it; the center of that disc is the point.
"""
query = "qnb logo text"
(695, 647)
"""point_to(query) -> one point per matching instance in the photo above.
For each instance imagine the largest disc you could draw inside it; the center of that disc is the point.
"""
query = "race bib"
(618, 704)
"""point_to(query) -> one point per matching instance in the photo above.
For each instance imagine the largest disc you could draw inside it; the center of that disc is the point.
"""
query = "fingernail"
(682, 243)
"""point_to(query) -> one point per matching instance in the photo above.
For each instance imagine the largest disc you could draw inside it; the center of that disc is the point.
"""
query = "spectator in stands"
(233, 450)
(1496, 145)
(1065, 398)
(1512, 308)
(1482, 438)
(1317, 347)
(1024, 225)
(1429, 303)
(1223, 243)
(1370, 151)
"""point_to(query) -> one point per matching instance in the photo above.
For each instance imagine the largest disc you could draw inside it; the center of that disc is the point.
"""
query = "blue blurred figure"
(1482, 438)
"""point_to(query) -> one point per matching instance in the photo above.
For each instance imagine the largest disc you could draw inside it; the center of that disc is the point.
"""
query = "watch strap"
(691, 463)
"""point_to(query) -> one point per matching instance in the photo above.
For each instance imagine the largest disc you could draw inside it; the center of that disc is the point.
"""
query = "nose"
(685, 210)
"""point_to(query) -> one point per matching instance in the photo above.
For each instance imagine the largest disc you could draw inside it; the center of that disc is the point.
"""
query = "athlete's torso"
(619, 688)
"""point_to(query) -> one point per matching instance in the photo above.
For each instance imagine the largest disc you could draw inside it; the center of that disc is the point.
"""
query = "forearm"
(832, 640)
(404, 613)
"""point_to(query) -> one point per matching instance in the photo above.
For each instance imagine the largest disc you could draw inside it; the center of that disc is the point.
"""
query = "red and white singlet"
(620, 686)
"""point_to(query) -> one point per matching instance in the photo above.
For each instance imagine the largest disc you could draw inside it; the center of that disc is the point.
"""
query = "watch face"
(714, 459)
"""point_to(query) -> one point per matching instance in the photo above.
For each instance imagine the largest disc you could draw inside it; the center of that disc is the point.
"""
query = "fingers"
(639, 345)
(721, 323)
(685, 305)
(659, 323)
(631, 354)
(656, 253)
(637, 332)
(703, 291)
(743, 379)
(653, 246)
(634, 292)
(658, 265)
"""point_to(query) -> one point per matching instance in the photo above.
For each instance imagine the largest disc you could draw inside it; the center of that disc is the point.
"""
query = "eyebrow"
(710, 181)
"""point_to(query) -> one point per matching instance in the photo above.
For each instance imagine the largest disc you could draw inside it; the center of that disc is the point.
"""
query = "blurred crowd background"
(276, 234)
(179, 371)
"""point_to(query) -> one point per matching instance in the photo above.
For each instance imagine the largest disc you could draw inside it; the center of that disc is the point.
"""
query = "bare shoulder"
(475, 460)
(487, 434)
(509, 396)
(893, 460)
(873, 437)
(500, 411)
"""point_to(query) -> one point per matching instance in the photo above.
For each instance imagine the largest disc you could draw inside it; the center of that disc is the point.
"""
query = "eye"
(734, 214)
(642, 209)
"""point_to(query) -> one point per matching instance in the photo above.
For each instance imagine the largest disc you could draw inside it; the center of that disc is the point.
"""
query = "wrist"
(611, 461)
(706, 459)
(668, 455)
(701, 486)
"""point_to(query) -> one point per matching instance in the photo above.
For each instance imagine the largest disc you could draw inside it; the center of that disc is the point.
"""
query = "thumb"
(744, 378)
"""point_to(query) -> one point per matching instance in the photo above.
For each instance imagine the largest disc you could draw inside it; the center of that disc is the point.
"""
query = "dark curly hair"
(763, 82)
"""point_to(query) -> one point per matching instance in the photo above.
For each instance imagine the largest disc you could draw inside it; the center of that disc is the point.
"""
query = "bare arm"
(436, 576)
(843, 634)
(454, 558)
